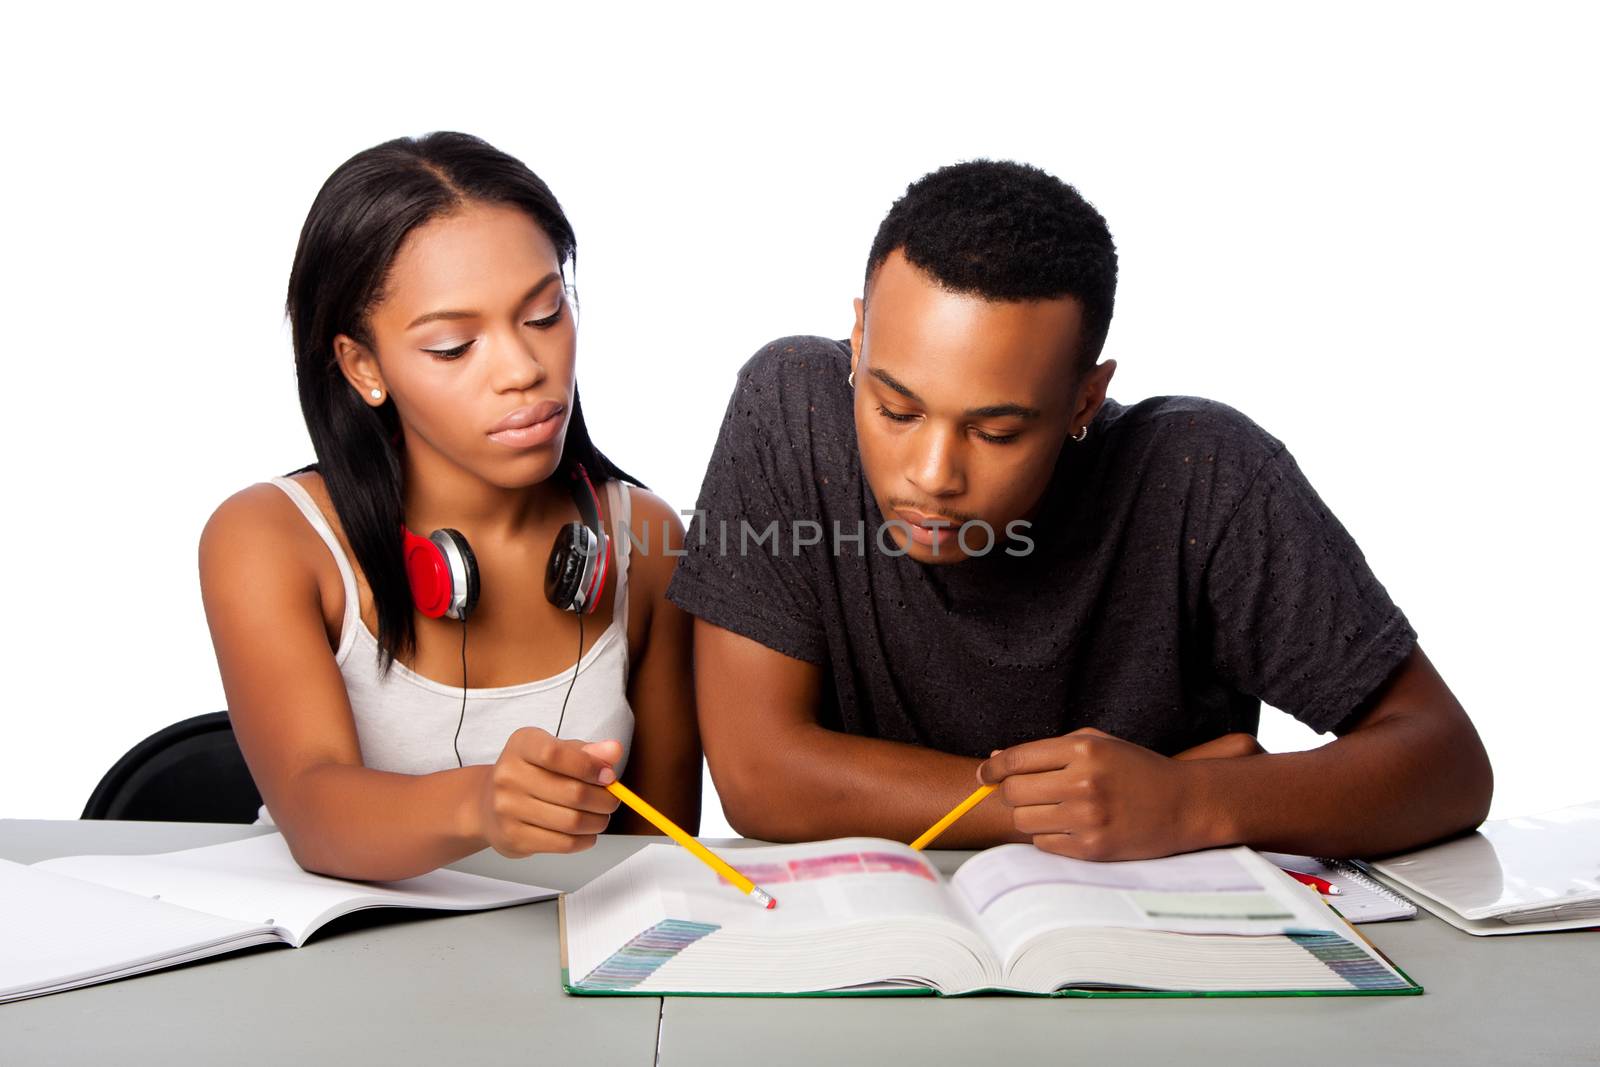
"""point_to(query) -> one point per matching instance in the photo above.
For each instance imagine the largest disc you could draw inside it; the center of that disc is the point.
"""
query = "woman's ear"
(360, 368)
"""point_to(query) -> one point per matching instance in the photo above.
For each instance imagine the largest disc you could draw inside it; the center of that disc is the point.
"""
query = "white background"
(1371, 227)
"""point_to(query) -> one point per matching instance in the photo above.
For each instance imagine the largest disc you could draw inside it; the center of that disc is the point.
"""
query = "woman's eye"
(894, 416)
(544, 322)
(449, 353)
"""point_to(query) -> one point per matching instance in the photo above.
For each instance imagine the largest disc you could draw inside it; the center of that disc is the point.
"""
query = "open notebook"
(863, 915)
(79, 920)
(1361, 898)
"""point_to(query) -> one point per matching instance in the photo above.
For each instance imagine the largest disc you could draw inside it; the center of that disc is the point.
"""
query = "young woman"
(435, 340)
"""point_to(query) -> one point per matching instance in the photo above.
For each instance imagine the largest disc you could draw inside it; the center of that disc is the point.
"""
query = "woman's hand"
(545, 795)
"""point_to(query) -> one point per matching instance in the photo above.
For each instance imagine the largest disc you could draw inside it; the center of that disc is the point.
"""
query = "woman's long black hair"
(363, 212)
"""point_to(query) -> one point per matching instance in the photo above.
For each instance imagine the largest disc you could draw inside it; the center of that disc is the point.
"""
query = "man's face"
(961, 406)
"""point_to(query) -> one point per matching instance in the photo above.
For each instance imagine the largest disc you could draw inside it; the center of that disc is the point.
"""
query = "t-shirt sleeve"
(740, 571)
(1299, 619)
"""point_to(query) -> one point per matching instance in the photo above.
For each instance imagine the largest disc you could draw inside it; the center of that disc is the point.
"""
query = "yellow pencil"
(705, 855)
(955, 813)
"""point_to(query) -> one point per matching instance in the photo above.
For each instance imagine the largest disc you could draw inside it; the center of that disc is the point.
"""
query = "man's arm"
(783, 777)
(1410, 770)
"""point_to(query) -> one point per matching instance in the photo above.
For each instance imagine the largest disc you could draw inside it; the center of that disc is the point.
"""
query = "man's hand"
(1093, 796)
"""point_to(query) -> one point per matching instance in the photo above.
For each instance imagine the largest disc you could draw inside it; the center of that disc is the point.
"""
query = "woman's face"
(475, 343)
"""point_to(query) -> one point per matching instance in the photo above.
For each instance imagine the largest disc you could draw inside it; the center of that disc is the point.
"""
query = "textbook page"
(1018, 892)
(257, 881)
(59, 932)
(1224, 920)
(680, 926)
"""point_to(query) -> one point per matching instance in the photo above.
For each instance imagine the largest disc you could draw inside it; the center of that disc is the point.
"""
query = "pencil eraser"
(772, 902)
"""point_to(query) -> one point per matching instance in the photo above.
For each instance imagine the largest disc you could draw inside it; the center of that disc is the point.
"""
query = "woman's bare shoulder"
(259, 526)
(658, 537)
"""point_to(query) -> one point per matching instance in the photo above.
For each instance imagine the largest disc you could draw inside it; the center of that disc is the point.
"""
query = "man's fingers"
(1050, 754)
(1049, 787)
(1028, 758)
(1038, 819)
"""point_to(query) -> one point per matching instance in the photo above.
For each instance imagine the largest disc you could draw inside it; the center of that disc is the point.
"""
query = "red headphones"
(444, 573)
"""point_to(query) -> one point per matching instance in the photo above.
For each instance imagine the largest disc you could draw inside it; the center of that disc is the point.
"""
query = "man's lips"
(930, 531)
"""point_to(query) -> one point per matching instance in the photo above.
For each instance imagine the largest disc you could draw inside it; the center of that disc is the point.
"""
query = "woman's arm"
(287, 701)
(664, 762)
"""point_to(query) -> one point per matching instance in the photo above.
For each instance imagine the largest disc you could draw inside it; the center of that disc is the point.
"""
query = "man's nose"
(937, 464)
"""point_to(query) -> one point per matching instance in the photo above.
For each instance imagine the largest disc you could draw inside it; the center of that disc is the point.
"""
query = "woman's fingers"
(535, 812)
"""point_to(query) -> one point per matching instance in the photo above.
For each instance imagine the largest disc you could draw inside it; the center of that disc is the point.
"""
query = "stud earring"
(377, 394)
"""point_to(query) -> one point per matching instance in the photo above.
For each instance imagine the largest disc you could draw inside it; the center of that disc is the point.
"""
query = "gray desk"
(485, 988)
(378, 988)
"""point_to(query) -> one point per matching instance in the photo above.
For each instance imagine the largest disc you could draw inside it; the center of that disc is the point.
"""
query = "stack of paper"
(1513, 876)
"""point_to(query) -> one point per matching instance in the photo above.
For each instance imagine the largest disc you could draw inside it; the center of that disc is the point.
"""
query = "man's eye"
(894, 416)
(996, 438)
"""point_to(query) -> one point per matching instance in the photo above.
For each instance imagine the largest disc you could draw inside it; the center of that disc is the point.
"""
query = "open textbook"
(863, 915)
(79, 920)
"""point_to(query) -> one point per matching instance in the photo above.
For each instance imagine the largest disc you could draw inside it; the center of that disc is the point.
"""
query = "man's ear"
(857, 333)
(360, 368)
(1092, 392)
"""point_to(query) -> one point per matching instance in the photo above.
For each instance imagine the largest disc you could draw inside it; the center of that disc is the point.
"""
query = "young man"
(941, 540)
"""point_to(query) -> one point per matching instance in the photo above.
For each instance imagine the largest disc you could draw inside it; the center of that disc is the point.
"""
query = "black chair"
(191, 771)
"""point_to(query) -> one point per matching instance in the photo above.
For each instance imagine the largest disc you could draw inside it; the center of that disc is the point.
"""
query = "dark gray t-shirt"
(1182, 571)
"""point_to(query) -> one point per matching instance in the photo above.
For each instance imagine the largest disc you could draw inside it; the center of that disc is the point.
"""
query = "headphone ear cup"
(601, 571)
(428, 574)
(563, 576)
(464, 586)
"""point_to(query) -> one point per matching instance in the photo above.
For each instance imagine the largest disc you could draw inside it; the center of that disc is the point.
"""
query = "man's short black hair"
(1006, 231)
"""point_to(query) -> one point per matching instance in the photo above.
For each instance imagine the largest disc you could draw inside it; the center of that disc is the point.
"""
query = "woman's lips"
(530, 427)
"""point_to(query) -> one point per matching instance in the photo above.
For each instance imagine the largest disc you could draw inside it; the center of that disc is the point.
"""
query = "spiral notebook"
(1361, 899)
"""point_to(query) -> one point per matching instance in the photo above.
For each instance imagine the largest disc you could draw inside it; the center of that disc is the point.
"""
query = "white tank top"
(407, 723)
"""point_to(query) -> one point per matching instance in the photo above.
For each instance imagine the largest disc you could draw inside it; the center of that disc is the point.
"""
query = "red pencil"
(1321, 885)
